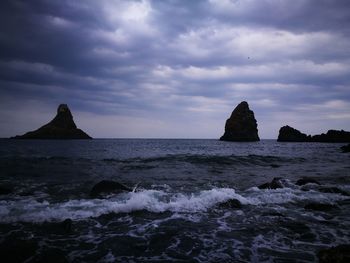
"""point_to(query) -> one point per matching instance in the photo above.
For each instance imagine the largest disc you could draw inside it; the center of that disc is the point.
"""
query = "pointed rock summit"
(61, 127)
(242, 125)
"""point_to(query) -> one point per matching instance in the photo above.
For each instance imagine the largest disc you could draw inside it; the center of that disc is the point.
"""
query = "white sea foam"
(31, 210)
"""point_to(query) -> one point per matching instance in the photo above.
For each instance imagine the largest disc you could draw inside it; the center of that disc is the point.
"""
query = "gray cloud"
(159, 68)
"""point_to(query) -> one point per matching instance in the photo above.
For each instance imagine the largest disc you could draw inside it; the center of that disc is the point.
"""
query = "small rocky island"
(241, 126)
(289, 134)
(61, 127)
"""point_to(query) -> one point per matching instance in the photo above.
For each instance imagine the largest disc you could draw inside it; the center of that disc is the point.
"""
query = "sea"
(175, 211)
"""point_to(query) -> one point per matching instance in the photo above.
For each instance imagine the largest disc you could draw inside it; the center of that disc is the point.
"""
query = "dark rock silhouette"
(304, 181)
(242, 125)
(289, 134)
(345, 148)
(338, 254)
(274, 184)
(230, 204)
(106, 187)
(61, 127)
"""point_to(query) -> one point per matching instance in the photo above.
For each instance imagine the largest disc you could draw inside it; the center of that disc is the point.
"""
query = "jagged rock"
(274, 184)
(320, 206)
(345, 148)
(338, 254)
(231, 203)
(304, 181)
(241, 126)
(61, 127)
(289, 134)
(106, 187)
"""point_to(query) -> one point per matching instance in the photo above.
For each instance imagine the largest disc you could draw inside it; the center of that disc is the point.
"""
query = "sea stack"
(61, 127)
(241, 126)
(289, 134)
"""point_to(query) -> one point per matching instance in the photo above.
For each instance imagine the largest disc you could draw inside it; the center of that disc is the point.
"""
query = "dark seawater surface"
(173, 215)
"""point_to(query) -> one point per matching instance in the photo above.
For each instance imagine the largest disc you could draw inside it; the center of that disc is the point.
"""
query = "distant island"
(61, 127)
(289, 134)
(241, 126)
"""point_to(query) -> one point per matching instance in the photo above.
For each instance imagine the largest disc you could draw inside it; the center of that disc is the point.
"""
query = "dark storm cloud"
(171, 63)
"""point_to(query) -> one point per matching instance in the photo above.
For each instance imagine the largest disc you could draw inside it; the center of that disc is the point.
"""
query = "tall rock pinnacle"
(242, 125)
(61, 127)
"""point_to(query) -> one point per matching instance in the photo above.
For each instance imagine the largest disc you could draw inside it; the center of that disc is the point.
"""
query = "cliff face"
(242, 125)
(289, 134)
(61, 127)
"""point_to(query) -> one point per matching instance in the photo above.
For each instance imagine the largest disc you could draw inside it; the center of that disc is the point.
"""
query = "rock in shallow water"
(274, 184)
(338, 254)
(345, 148)
(231, 203)
(304, 181)
(106, 187)
(242, 125)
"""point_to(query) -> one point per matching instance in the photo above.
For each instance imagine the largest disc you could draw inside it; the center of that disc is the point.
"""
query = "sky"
(174, 69)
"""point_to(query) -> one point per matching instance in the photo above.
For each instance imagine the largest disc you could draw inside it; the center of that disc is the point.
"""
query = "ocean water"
(173, 215)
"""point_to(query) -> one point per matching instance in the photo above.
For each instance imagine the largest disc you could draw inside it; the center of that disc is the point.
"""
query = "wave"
(157, 201)
(189, 158)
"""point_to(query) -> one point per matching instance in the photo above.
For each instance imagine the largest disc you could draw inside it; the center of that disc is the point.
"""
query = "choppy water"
(174, 214)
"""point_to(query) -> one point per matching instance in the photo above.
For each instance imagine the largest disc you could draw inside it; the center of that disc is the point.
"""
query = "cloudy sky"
(174, 69)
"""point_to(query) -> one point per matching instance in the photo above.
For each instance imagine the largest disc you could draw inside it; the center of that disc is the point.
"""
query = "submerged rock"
(289, 134)
(61, 127)
(345, 148)
(106, 187)
(231, 203)
(338, 254)
(304, 181)
(242, 125)
(274, 184)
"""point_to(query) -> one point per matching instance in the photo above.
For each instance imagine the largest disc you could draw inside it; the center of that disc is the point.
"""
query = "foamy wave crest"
(150, 200)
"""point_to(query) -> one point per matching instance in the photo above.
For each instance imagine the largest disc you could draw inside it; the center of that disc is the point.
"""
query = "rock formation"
(61, 127)
(241, 126)
(289, 134)
(106, 187)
